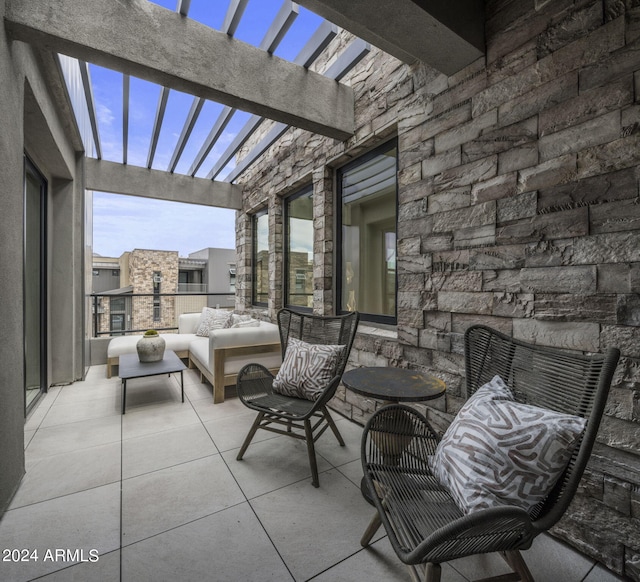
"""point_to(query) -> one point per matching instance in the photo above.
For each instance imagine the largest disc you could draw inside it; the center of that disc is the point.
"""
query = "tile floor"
(157, 495)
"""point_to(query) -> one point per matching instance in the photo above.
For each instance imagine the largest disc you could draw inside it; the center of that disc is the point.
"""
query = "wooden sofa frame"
(219, 380)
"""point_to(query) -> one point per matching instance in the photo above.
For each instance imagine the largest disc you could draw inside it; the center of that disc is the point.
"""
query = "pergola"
(144, 40)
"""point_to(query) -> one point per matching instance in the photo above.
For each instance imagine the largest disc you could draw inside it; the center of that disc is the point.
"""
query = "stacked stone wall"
(142, 265)
(519, 208)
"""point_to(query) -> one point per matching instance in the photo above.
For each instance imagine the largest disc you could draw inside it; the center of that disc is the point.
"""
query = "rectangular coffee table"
(130, 367)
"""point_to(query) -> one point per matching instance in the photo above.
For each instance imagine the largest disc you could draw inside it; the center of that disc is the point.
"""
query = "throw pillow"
(307, 369)
(243, 320)
(501, 452)
(247, 323)
(212, 319)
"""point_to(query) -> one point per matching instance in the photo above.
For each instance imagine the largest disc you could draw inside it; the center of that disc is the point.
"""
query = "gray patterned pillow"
(212, 319)
(501, 452)
(307, 369)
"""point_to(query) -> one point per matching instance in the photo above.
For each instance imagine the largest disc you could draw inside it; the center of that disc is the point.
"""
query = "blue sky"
(121, 223)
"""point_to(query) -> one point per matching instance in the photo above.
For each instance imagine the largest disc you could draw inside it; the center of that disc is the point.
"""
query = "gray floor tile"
(229, 432)
(83, 391)
(105, 569)
(197, 390)
(152, 391)
(300, 518)
(82, 521)
(164, 449)
(37, 415)
(77, 411)
(352, 471)
(377, 562)
(98, 372)
(328, 446)
(207, 410)
(601, 574)
(157, 418)
(229, 546)
(549, 558)
(74, 436)
(156, 502)
(481, 566)
(271, 464)
(71, 472)
(28, 435)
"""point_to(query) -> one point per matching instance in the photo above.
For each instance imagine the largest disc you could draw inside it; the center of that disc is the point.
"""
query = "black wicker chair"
(301, 418)
(424, 525)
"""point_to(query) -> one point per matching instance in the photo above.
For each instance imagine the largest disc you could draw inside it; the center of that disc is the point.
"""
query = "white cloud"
(122, 223)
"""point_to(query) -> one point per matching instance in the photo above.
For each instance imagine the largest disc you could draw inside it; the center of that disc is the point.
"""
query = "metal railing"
(192, 287)
(134, 313)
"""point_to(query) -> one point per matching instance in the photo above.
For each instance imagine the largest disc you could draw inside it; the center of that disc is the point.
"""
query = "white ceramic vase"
(150, 348)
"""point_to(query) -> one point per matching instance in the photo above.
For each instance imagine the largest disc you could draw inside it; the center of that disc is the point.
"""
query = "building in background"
(149, 289)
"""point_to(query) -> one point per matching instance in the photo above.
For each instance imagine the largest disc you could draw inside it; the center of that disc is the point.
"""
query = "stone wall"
(142, 265)
(518, 208)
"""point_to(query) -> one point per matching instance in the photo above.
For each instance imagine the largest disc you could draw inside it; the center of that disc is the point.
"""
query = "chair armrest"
(422, 521)
(503, 528)
(254, 381)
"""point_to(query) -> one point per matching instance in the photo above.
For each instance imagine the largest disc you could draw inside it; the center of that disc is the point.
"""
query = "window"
(96, 273)
(232, 278)
(157, 281)
(367, 204)
(260, 259)
(299, 249)
(117, 315)
(115, 272)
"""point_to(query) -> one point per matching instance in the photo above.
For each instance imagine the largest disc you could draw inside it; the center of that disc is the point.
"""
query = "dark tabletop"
(131, 367)
(393, 384)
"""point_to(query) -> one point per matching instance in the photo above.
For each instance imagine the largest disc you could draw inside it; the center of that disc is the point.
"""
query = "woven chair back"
(316, 329)
(555, 379)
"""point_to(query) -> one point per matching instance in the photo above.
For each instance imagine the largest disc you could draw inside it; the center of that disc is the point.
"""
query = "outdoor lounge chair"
(424, 523)
(315, 350)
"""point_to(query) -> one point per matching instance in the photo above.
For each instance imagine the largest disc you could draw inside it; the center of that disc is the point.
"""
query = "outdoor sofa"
(218, 356)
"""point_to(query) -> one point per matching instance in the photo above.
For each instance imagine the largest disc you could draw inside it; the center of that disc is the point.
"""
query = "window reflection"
(368, 216)
(299, 249)
(260, 259)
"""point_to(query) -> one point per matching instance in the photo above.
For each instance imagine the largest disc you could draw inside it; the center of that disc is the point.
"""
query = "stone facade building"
(518, 207)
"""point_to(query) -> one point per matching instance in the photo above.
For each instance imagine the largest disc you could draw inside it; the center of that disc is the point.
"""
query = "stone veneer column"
(243, 261)
(323, 256)
(276, 255)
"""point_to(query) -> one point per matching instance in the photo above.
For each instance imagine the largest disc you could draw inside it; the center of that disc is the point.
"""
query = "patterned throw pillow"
(501, 452)
(307, 369)
(212, 319)
(243, 321)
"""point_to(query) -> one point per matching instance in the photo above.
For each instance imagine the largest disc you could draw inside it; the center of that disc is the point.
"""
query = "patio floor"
(158, 493)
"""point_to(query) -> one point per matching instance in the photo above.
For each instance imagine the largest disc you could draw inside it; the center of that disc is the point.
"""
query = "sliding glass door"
(35, 344)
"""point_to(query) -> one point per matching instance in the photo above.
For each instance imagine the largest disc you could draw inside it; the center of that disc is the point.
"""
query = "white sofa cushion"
(202, 348)
(188, 322)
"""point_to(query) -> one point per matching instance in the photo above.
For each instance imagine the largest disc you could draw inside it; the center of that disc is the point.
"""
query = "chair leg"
(372, 528)
(249, 437)
(432, 572)
(311, 450)
(332, 426)
(516, 561)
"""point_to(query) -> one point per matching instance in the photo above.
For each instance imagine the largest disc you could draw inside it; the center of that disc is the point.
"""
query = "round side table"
(392, 385)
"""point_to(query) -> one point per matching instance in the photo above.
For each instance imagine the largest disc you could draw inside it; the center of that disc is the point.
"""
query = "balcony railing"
(192, 287)
(133, 313)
